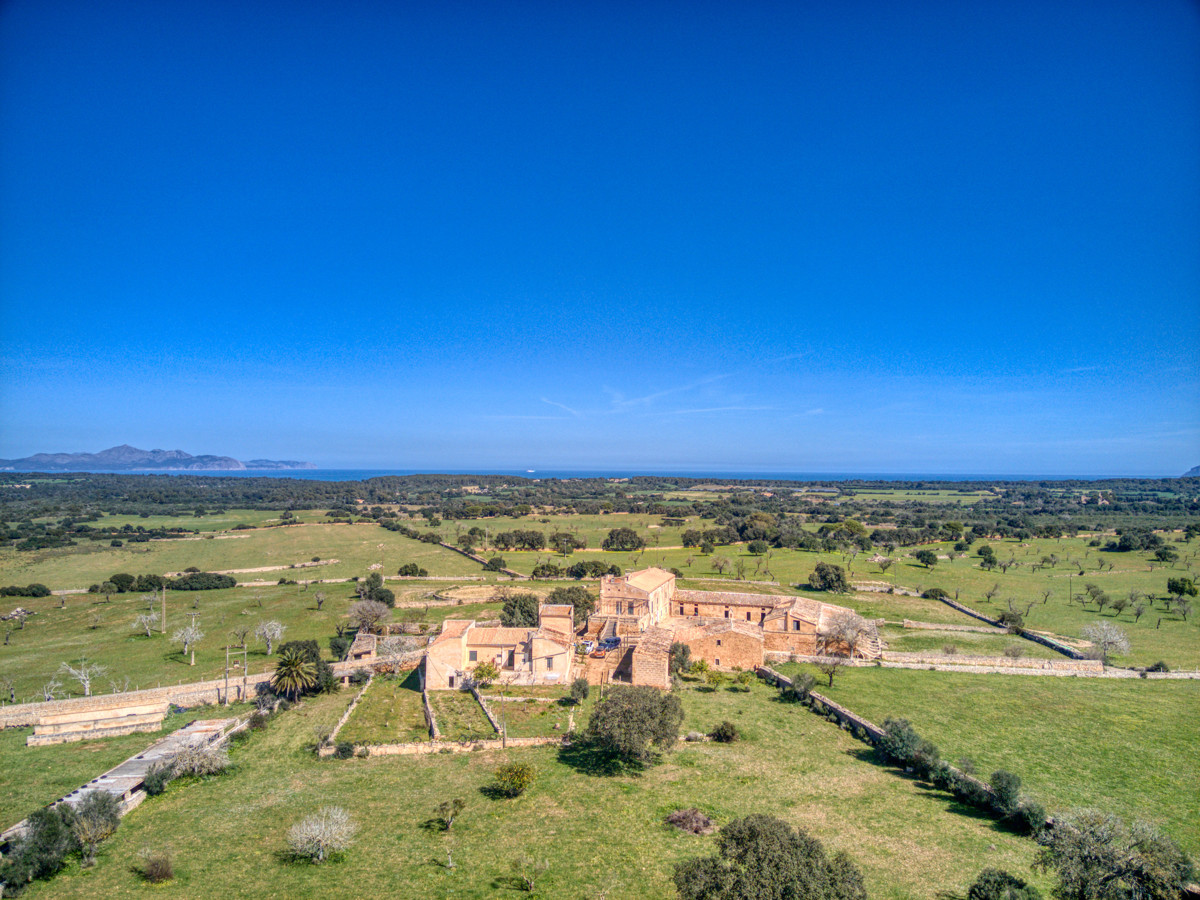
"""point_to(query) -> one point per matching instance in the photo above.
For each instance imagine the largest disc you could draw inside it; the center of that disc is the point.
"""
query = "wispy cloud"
(562, 406)
(620, 402)
(714, 409)
(816, 411)
(1078, 370)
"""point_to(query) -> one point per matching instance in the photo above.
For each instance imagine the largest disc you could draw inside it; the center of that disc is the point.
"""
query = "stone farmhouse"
(542, 655)
(643, 614)
(647, 613)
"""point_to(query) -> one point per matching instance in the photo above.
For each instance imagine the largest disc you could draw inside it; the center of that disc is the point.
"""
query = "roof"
(800, 608)
(694, 632)
(557, 609)
(498, 637)
(551, 634)
(729, 598)
(363, 643)
(453, 628)
(649, 579)
(655, 642)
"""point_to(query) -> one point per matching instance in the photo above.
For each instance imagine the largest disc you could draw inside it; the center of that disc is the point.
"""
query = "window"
(727, 614)
(718, 642)
(716, 662)
(747, 616)
(549, 662)
(631, 607)
(472, 655)
(681, 609)
(695, 610)
(795, 626)
(511, 657)
(451, 681)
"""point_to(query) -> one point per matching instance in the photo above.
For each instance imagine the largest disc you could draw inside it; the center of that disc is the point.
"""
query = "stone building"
(542, 655)
(647, 613)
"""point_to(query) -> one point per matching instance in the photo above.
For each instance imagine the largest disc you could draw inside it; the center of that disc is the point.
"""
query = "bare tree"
(527, 871)
(146, 622)
(322, 835)
(95, 619)
(51, 689)
(239, 632)
(269, 632)
(189, 636)
(8, 687)
(448, 811)
(843, 630)
(991, 592)
(720, 563)
(1106, 639)
(739, 566)
(85, 673)
(368, 614)
(320, 597)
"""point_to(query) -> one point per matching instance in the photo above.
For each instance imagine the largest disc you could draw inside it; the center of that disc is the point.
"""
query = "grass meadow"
(598, 833)
(1129, 746)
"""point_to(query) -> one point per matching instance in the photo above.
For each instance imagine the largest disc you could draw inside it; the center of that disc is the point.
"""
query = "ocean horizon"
(354, 474)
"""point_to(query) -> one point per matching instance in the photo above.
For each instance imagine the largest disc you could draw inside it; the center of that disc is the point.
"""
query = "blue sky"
(855, 236)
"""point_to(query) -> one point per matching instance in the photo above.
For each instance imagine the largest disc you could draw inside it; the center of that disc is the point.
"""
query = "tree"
(520, 611)
(484, 674)
(1106, 639)
(829, 577)
(719, 563)
(238, 632)
(367, 615)
(448, 811)
(926, 557)
(1098, 857)
(320, 597)
(830, 666)
(680, 658)
(294, 673)
(188, 636)
(107, 588)
(884, 564)
(514, 778)
(85, 673)
(763, 858)
(146, 622)
(758, 547)
(576, 596)
(96, 818)
(634, 722)
(843, 632)
(323, 835)
(580, 688)
(623, 539)
(1178, 588)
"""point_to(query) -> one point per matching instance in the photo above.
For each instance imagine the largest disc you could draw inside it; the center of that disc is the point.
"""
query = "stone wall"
(426, 747)
(1081, 666)
(939, 626)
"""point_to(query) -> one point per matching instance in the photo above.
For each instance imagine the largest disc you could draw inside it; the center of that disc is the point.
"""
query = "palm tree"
(293, 673)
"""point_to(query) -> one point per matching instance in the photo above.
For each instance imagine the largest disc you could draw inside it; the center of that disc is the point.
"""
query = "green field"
(966, 643)
(536, 718)
(31, 777)
(597, 832)
(390, 712)
(459, 716)
(1128, 746)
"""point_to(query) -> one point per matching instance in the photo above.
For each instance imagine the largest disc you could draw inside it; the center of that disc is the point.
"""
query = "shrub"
(343, 750)
(158, 776)
(1014, 651)
(1030, 816)
(691, 820)
(339, 647)
(949, 649)
(1159, 666)
(634, 722)
(44, 847)
(580, 688)
(725, 733)
(201, 581)
(1006, 788)
(514, 778)
(800, 688)
(994, 884)
(156, 866)
(901, 744)
(323, 835)
(200, 761)
(96, 818)
(935, 593)
(258, 720)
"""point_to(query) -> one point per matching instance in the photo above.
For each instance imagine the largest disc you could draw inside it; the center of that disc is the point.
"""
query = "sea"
(364, 474)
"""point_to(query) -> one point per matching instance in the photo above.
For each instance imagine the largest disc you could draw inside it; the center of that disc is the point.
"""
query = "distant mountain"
(1193, 472)
(124, 458)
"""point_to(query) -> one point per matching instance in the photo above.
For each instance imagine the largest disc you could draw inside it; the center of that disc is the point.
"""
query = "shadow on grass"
(495, 792)
(589, 760)
(436, 824)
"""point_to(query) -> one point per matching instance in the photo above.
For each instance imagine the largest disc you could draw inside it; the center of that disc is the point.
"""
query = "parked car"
(610, 643)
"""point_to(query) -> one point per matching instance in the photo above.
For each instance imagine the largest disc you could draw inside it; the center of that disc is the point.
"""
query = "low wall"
(1082, 666)
(428, 747)
(349, 709)
(937, 626)
(487, 712)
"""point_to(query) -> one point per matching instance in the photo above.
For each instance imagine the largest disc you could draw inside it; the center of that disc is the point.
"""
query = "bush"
(1159, 666)
(339, 647)
(201, 581)
(691, 820)
(828, 577)
(725, 733)
(1014, 651)
(800, 688)
(156, 866)
(935, 593)
(949, 649)
(1006, 788)
(994, 884)
(44, 847)
(1030, 816)
(514, 778)
(96, 818)
(580, 688)
(258, 720)
(343, 750)
(901, 744)
(323, 835)
(200, 761)
(634, 722)
(158, 776)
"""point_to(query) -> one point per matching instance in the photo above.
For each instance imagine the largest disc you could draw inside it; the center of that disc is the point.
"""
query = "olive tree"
(635, 722)
(322, 835)
(269, 632)
(1106, 639)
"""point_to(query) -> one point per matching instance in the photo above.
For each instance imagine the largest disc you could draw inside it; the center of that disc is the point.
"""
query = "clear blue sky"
(849, 236)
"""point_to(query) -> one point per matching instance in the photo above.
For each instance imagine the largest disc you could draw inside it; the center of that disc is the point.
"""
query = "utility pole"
(226, 674)
(164, 607)
(245, 663)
